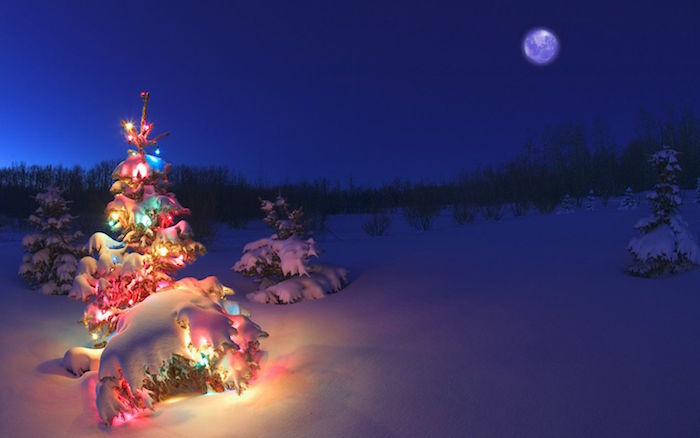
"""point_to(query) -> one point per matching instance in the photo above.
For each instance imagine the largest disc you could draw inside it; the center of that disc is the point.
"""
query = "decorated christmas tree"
(628, 201)
(186, 338)
(151, 244)
(50, 257)
(666, 245)
(281, 263)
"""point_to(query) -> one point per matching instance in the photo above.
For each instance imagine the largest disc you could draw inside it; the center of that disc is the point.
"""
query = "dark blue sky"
(295, 89)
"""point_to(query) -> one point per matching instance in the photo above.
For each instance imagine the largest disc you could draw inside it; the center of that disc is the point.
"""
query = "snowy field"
(526, 327)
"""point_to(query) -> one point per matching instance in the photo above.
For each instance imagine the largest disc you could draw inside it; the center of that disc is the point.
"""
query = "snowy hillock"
(178, 340)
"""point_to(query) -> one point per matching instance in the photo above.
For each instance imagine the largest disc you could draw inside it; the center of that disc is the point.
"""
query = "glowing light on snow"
(144, 220)
(231, 307)
(101, 316)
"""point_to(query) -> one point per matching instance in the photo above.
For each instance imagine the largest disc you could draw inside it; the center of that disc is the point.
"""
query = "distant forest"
(565, 159)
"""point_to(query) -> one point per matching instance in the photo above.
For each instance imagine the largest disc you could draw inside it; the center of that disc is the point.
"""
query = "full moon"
(540, 46)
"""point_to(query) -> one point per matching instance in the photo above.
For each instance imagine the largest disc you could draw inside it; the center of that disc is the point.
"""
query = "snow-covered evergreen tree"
(628, 201)
(666, 245)
(281, 262)
(50, 258)
(567, 205)
(590, 201)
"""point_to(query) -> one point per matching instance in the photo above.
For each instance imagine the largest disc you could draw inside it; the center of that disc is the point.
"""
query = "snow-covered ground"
(526, 327)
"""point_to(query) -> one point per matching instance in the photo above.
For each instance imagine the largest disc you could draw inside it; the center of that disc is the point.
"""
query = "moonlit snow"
(527, 327)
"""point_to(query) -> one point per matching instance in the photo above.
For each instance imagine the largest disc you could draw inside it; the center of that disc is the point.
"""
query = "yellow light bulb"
(129, 126)
(94, 336)
(163, 251)
(114, 215)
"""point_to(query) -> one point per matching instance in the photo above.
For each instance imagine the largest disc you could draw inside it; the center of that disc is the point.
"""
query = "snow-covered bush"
(281, 263)
(567, 205)
(666, 246)
(50, 258)
(284, 222)
(628, 201)
(274, 259)
(180, 340)
(377, 224)
(590, 201)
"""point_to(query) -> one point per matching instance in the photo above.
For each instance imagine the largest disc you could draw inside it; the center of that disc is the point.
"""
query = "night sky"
(285, 90)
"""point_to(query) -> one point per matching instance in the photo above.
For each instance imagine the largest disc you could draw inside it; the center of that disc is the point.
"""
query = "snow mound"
(180, 331)
(290, 255)
(320, 281)
(668, 248)
(79, 360)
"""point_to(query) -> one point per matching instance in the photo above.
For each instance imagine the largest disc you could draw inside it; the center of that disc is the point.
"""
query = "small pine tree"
(589, 202)
(50, 258)
(628, 201)
(566, 206)
(285, 223)
(666, 246)
(285, 253)
(281, 263)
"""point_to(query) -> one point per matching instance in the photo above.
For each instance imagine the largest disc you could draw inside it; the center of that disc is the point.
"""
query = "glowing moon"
(540, 46)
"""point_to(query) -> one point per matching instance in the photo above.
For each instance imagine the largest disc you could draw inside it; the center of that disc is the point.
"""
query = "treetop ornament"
(140, 139)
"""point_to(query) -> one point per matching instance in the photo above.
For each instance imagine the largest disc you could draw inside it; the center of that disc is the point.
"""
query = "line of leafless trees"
(565, 159)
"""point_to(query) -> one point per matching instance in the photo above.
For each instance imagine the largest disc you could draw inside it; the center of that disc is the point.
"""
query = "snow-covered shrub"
(464, 212)
(628, 201)
(589, 201)
(377, 224)
(493, 212)
(50, 258)
(666, 246)
(180, 340)
(274, 259)
(279, 262)
(284, 222)
(318, 281)
(567, 205)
